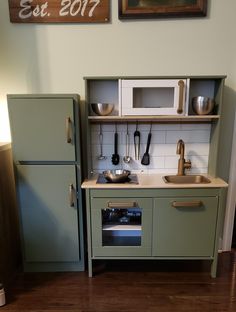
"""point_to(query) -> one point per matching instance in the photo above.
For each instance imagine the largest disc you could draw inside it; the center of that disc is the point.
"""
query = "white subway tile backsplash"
(197, 149)
(171, 162)
(191, 136)
(164, 127)
(163, 158)
(199, 170)
(155, 163)
(164, 149)
(199, 161)
(158, 137)
(195, 126)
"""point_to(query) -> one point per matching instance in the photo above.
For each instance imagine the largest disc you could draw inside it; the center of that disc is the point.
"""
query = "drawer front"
(184, 227)
(121, 227)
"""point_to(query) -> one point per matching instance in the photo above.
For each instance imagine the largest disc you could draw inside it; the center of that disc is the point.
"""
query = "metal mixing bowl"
(116, 176)
(202, 105)
(102, 109)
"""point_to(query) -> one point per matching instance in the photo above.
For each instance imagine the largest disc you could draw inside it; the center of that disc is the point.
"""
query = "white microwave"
(154, 96)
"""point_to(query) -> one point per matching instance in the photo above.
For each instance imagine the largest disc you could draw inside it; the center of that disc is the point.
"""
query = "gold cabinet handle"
(194, 203)
(71, 195)
(121, 204)
(68, 130)
(181, 97)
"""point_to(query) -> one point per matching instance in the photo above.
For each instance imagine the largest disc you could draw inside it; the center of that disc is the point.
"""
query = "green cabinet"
(46, 149)
(175, 223)
(184, 226)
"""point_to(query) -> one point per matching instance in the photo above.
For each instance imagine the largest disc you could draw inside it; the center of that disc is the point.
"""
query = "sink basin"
(186, 179)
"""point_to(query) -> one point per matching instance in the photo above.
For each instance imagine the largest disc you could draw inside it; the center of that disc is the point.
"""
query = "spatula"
(146, 157)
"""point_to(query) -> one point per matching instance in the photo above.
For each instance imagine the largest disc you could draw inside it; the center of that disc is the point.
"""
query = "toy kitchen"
(138, 158)
(153, 190)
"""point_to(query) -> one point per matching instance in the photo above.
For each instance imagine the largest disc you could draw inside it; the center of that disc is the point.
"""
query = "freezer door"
(42, 129)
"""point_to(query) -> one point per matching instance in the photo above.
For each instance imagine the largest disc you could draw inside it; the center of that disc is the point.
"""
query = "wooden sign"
(59, 11)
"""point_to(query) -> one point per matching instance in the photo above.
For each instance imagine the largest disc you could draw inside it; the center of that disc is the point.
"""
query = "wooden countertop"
(151, 181)
(4, 146)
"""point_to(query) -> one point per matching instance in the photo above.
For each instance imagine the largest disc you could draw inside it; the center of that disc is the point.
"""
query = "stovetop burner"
(132, 179)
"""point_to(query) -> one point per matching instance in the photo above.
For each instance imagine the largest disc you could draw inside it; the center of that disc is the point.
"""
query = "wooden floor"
(129, 286)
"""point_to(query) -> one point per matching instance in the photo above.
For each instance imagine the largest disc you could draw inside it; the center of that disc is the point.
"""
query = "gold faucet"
(182, 164)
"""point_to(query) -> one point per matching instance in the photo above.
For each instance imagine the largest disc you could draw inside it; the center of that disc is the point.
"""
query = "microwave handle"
(181, 97)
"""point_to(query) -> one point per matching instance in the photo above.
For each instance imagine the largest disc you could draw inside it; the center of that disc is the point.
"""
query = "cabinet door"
(121, 227)
(49, 219)
(184, 226)
(39, 128)
(153, 97)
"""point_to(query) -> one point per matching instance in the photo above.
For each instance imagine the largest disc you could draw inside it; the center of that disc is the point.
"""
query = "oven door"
(121, 227)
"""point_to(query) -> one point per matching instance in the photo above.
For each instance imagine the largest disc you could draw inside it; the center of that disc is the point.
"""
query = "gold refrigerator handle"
(194, 203)
(71, 195)
(68, 130)
(181, 97)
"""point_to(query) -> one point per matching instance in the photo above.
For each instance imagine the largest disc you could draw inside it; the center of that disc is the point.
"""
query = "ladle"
(101, 156)
(127, 158)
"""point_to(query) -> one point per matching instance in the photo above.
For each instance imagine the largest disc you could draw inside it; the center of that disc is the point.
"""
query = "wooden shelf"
(158, 119)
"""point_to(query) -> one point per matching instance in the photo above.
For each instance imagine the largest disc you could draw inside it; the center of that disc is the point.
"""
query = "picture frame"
(55, 11)
(151, 9)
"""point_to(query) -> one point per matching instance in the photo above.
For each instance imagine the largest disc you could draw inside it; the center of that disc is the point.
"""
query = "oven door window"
(121, 226)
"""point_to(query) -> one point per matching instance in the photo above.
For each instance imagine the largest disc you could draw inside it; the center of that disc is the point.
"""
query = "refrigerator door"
(42, 128)
(49, 214)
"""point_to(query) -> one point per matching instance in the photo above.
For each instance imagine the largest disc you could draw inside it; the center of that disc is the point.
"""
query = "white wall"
(55, 58)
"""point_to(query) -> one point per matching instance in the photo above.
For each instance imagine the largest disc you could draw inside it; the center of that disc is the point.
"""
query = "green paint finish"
(170, 233)
(201, 192)
(52, 230)
(49, 224)
(97, 204)
(184, 231)
(38, 128)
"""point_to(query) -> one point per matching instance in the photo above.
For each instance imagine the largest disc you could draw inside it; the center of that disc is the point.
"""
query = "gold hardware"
(68, 130)
(196, 203)
(121, 204)
(71, 195)
(182, 163)
(181, 96)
